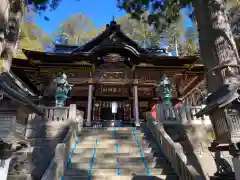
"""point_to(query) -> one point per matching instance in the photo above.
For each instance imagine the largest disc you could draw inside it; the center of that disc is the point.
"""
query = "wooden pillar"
(136, 105)
(89, 107)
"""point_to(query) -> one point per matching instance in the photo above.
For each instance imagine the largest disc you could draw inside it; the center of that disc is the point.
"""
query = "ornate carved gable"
(114, 77)
(113, 61)
(112, 40)
(112, 36)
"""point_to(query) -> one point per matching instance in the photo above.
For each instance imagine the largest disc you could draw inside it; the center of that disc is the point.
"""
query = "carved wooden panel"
(184, 80)
(117, 65)
(145, 91)
(148, 75)
(127, 110)
(112, 40)
(113, 61)
(113, 75)
(79, 91)
(97, 110)
(113, 58)
(143, 104)
(147, 79)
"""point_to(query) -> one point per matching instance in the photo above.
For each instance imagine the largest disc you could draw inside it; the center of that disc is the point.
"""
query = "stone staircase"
(116, 153)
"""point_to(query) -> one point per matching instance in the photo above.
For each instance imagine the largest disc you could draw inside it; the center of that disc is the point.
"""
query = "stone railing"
(60, 114)
(184, 115)
(173, 151)
(9, 127)
(17, 158)
(55, 171)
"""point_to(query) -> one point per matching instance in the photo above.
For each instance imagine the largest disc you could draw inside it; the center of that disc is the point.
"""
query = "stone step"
(118, 129)
(115, 154)
(42, 133)
(132, 142)
(112, 172)
(121, 159)
(112, 150)
(19, 177)
(106, 165)
(110, 155)
(45, 125)
(113, 142)
(43, 141)
(105, 177)
(111, 145)
(112, 132)
(113, 165)
(106, 136)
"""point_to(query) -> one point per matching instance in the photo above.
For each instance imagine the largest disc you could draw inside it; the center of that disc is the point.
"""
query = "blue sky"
(100, 13)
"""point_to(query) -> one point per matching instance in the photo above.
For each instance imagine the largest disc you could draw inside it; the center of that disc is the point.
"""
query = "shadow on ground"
(146, 178)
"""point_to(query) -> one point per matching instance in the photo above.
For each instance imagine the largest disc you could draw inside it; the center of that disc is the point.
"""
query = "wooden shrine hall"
(111, 67)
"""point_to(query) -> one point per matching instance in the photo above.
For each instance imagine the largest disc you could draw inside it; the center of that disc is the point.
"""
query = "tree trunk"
(217, 48)
(11, 13)
(217, 45)
(4, 15)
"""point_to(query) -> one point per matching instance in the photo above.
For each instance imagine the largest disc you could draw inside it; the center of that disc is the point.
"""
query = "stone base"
(137, 124)
(88, 124)
(113, 123)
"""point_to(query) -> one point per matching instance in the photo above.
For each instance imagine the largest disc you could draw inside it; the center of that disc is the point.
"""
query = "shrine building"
(109, 68)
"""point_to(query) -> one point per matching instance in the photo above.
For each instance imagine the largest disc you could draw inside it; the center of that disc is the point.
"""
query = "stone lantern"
(223, 107)
(63, 90)
(164, 88)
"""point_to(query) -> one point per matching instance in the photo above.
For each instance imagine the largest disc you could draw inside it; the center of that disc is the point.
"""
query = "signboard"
(114, 107)
(106, 90)
(111, 90)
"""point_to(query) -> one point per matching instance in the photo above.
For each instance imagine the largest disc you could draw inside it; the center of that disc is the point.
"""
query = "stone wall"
(22, 114)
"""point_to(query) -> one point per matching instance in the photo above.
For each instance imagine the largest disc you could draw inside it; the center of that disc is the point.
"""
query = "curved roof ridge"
(111, 28)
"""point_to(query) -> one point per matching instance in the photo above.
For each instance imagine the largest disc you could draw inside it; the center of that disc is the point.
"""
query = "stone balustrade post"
(183, 115)
(158, 114)
(72, 112)
(60, 158)
(161, 111)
